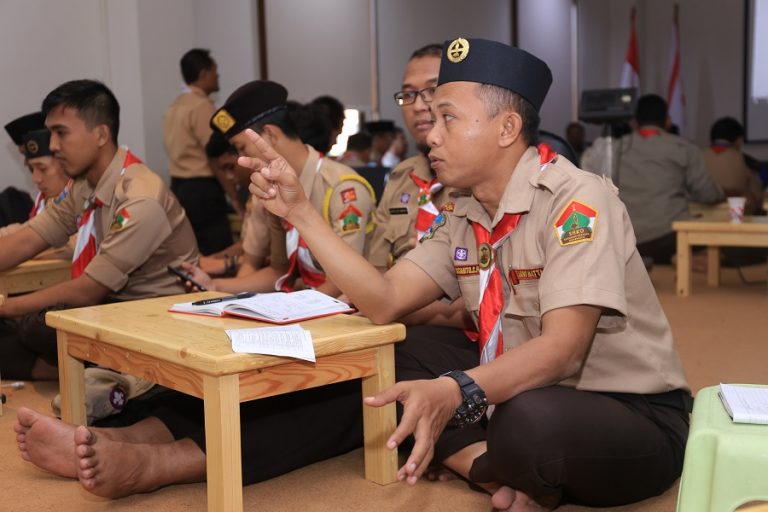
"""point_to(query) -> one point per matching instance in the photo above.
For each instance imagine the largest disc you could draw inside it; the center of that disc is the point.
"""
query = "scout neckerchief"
(299, 257)
(491, 343)
(39, 205)
(85, 246)
(427, 210)
(719, 145)
(648, 133)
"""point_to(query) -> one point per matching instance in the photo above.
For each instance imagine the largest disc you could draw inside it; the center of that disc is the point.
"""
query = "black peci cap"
(19, 126)
(494, 63)
(37, 143)
(247, 105)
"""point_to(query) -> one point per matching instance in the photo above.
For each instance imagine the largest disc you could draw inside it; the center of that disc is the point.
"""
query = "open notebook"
(275, 307)
(745, 404)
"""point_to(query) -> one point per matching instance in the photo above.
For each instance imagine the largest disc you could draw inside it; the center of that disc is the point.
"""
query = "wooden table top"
(37, 265)
(751, 224)
(199, 342)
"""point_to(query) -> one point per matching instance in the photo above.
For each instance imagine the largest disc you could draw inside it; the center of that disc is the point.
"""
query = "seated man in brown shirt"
(129, 227)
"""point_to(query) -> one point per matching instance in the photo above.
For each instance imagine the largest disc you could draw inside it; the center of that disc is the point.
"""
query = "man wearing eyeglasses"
(411, 200)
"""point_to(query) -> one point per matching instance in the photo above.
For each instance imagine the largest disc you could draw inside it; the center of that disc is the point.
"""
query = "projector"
(607, 106)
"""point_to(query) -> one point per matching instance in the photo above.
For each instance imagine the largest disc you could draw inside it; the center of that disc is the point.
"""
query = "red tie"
(427, 209)
(85, 247)
(491, 290)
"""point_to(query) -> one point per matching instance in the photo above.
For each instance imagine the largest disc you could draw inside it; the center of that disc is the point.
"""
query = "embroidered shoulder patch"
(349, 220)
(466, 270)
(348, 195)
(576, 224)
(436, 224)
(121, 220)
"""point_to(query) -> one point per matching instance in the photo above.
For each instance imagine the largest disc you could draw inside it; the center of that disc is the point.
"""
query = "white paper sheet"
(286, 341)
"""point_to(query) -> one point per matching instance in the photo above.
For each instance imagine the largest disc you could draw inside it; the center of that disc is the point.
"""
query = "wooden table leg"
(683, 264)
(221, 397)
(71, 383)
(713, 265)
(380, 422)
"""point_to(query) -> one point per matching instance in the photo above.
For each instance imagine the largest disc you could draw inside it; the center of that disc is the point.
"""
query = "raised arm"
(381, 297)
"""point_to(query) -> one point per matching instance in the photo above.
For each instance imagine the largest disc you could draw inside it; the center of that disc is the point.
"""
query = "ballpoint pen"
(237, 296)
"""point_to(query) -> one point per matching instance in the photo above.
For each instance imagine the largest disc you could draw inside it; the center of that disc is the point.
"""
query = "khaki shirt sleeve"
(57, 221)
(124, 249)
(433, 255)
(587, 271)
(350, 212)
(379, 249)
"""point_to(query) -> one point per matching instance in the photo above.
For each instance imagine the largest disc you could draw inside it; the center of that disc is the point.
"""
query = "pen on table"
(237, 296)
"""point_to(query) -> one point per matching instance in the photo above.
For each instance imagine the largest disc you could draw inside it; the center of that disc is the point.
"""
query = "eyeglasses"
(408, 97)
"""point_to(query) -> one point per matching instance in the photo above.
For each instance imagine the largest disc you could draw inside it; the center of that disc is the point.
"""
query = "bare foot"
(46, 442)
(113, 469)
(506, 499)
(440, 473)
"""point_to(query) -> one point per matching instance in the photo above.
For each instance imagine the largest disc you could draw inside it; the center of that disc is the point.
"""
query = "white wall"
(320, 47)
(544, 30)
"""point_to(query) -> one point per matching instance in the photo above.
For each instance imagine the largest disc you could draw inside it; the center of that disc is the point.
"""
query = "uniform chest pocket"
(524, 300)
(470, 292)
(397, 228)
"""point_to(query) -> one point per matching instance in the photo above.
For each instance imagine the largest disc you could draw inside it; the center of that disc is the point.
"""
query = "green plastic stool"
(726, 463)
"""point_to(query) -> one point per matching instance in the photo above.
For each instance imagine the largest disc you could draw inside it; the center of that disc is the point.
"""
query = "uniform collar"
(517, 196)
(105, 188)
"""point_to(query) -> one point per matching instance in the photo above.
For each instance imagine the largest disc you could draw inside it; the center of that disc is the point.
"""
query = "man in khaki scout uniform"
(344, 199)
(129, 226)
(185, 133)
(727, 165)
(591, 405)
(658, 174)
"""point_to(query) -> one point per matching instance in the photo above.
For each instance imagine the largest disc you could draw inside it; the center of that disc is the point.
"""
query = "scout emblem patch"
(460, 254)
(576, 224)
(484, 255)
(458, 50)
(436, 224)
(121, 219)
(405, 197)
(223, 121)
(348, 195)
(350, 219)
(448, 207)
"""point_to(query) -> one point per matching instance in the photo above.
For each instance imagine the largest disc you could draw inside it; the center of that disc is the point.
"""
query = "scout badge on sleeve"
(576, 224)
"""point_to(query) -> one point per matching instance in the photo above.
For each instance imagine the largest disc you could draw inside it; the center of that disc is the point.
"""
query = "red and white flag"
(675, 96)
(630, 73)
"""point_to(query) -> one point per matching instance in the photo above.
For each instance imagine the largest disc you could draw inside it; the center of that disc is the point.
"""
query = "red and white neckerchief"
(299, 258)
(38, 206)
(648, 133)
(490, 339)
(718, 146)
(85, 246)
(427, 209)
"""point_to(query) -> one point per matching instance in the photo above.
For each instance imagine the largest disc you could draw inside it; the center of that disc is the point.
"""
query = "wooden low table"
(192, 354)
(714, 231)
(33, 275)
